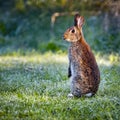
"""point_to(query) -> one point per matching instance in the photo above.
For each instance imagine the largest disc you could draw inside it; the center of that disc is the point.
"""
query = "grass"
(36, 87)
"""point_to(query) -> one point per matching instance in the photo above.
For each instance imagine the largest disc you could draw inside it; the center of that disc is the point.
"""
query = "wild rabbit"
(83, 69)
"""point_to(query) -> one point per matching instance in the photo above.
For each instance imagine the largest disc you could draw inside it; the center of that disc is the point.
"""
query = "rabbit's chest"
(75, 68)
(75, 63)
(75, 55)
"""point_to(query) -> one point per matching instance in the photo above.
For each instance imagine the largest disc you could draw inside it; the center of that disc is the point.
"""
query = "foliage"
(25, 27)
(30, 34)
(60, 5)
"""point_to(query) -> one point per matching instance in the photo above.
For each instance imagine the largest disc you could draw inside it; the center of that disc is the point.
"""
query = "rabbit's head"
(74, 33)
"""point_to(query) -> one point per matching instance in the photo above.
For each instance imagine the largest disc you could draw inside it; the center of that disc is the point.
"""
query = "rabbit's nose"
(64, 37)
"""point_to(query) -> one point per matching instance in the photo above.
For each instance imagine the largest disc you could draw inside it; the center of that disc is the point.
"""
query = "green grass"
(36, 87)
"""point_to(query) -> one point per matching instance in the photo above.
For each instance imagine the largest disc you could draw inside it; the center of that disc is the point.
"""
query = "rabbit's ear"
(78, 20)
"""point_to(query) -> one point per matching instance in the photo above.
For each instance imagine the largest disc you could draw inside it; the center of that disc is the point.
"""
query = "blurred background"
(37, 26)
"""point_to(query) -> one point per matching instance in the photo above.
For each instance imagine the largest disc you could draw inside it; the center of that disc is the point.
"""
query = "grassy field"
(36, 87)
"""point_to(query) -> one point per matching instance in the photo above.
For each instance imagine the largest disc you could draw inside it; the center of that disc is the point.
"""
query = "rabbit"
(83, 69)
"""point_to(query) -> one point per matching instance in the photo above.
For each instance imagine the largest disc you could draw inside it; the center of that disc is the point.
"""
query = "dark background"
(30, 26)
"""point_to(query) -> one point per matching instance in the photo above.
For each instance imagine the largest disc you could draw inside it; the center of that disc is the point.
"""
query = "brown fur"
(83, 69)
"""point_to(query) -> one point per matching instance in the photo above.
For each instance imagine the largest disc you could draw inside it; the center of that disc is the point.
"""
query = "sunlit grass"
(36, 87)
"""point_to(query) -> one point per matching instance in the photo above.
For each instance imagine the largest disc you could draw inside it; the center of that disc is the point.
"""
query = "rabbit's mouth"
(64, 38)
(68, 39)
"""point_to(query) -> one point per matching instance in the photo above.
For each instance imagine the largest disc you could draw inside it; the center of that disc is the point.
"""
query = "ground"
(36, 87)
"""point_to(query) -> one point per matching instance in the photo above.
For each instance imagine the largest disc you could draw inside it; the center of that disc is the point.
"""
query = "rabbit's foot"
(70, 95)
(88, 94)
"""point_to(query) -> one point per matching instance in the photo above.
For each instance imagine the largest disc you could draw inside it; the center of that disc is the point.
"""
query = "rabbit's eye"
(73, 31)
